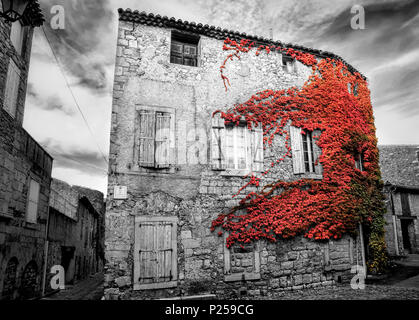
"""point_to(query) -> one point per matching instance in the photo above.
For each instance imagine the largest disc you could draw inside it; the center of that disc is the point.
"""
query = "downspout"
(364, 263)
(396, 240)
(46, 248)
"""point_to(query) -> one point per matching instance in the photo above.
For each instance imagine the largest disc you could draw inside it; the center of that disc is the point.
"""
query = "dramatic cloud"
(386, 52)
(83, 45)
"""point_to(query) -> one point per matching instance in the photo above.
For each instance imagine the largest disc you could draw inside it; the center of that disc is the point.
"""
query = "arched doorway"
(29, 283)
(9, 283)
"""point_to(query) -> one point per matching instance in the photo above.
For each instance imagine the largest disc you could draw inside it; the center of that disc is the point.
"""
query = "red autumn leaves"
(318, 209)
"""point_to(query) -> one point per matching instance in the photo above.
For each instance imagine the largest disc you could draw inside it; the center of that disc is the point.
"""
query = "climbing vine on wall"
(336, 102)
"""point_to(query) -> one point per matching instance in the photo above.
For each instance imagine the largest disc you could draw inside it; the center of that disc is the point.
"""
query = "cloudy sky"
(387, 52)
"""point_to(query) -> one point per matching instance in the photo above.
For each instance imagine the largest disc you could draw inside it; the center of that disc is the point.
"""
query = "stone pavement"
(411, 261)
(405, 289)
(87, 289)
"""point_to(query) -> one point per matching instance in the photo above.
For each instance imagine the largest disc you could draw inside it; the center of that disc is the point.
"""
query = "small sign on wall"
(120, 192)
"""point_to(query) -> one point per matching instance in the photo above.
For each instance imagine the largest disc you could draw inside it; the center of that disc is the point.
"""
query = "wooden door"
(155, 264)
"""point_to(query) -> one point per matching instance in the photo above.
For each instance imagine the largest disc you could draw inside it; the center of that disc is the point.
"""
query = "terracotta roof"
(399, 164)
(33, 15)
(216, 32)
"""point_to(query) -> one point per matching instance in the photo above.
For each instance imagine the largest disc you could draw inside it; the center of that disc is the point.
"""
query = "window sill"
(314, 176)
(235, 173)
(6, 216)
(31, 226)
(239, 277)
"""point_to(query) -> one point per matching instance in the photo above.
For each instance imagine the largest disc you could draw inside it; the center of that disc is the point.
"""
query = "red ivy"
(318, 209)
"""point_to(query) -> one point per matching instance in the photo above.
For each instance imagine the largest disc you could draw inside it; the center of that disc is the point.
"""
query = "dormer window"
(184, 49)
(288, 64)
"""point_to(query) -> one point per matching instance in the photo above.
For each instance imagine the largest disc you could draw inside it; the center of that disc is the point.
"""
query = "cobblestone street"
(88, 289)
(403, 285)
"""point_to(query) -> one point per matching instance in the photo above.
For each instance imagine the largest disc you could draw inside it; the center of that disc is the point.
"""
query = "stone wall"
(21, 159)
(190, 190)
(75, 226)
(393, 228)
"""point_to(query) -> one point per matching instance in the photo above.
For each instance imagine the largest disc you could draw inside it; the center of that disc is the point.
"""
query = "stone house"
(75, 231)
(399, 172)
(25, 167)
(168, 180)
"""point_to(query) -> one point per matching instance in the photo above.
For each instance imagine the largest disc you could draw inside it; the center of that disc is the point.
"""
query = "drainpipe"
(46, 247)
(364, 264)
(396, 240)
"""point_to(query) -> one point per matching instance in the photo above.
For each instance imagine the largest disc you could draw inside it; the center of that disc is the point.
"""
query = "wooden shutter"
(404, 197)
(155, 256)
(12, 88)
(147, 130)
(33, 200)
(317, 151)
(16, 36)
(218, 161)
(162, 140)
(257, 149)
(297, 150)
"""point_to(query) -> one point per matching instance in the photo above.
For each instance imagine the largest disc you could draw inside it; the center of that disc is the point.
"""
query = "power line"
(73, 96)
(67, 157)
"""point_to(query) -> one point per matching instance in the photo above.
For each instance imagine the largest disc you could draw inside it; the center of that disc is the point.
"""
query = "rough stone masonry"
(159, 209)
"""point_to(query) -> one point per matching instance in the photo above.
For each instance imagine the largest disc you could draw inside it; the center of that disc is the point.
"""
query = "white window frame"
(297, 150)
(32, 206)
(235, 131)
(253, 140)
(11, 94)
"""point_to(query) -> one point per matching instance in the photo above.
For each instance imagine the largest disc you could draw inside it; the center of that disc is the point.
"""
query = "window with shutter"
(12, 88)
(162, 139)
(257, 149)
(305, 151)
(153, 136)
(16, 36)
(236, 142)
(184, 49)
(308, 152)
(297, 150)
(241, 262)
(404, 197)
(33, 201)
(155, 255)
(288, 64)
(217, 143)
(359, 162)
(236, 148)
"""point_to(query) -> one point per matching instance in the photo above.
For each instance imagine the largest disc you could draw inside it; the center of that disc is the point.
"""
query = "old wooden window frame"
(288, 64)
(170, 143)
(359, 161)
(299, 150)
(181, 46)
(17, 36)
(253, 140)
(231, 277)
(137, 274)
(11, 93)
(405, 204)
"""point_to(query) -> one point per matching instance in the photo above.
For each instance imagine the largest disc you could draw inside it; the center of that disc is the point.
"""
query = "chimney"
(271, 34)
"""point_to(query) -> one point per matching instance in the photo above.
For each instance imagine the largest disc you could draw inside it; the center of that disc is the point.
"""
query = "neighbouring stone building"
(75, 231)
(167, 183)
(399, 168)
(25, 167)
